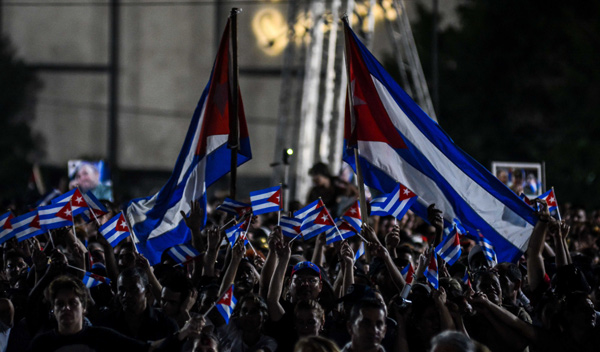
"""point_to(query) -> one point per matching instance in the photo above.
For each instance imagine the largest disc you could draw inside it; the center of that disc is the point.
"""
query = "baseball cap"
(306, 265)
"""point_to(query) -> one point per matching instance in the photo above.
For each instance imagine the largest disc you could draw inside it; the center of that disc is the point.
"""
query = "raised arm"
(276, 311)
(347, 258)
(535, 261)
(380, 251)
(270, 263)
(237, 254)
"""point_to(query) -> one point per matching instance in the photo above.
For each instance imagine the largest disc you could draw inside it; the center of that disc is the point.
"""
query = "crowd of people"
(295, 295)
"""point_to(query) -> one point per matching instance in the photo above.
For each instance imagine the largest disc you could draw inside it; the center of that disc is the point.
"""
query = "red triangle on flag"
(66, 212)
(77, 199)
(324, 218)
(226, 299)
(7, 224)
(35, 222)
(405, 193)
(275, 197)
(121, 224)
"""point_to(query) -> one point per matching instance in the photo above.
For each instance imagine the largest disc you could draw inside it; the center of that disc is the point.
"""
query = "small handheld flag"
(488, 249)
(26, 226)
(74, 196)
(290, 227)
(352, 216)
(55, 216)
(226, 304)
(6, 229)
(182, 253)
(449, 249)
(360, 252)
(408, 273)
(342, 231)
(236, 231)
(115, 229)
(267, 200)
(317, 221)
(395, 204)
(431, 274)
(92, 280)
(550, 199)
(466, 280)
(233, 207)
(93, 205)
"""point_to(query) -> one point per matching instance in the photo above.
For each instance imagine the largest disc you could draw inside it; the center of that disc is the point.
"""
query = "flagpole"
(131, 231)
(93, 213)
(234, 139)
(281, 203)
(51, 240)
(359, 176)
(72, 217)
(292, 240)
(557, 209)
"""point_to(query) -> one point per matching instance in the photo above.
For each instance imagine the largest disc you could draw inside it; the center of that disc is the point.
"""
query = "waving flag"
(182, 253)
(360, 252)
(115, 230)
(92, 280)
(397, 141)
(550, 198)
(235, 231)
(488, 250)
(449, 249)
(466, 280)
(204, 159)
(26, 226)
(6, 229)
(94, 205)
(267, 200)
(290, 227)
(431, 273)
(352, 216)
(233, 207)
(395, 204)
(226, 304)
(343, 229)
(316, 219)
(76, 199)
(55, 216)
(408, 273)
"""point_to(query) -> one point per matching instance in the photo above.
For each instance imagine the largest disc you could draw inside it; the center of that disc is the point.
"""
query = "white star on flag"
(406, 191)
(67, 212)
(353, 211)
(78, 200)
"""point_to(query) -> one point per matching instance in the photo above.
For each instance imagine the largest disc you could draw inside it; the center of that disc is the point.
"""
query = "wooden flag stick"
(234, 138)
(557, 209)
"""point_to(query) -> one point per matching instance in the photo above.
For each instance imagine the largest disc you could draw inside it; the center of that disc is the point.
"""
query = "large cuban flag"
(398, 142)
(204, 158)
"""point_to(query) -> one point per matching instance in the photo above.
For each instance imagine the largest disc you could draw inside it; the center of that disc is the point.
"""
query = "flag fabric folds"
(449, 249)
(94, 205)
(315, 219)
(235, 231)
(342, 231)
(203, 159)
(6, 229)
(226, 304)
(290, 227)
(395, 203)
(47, 198)
(182, 253)
(398, 142)
(26, 226)
(360, 252)
(233, 207)
(488, 250)
(115, 230)
(408, 273)
(92, 280)
(74, 196)
(267, 200)
(431, 273)
(352, 216)
(55, 216)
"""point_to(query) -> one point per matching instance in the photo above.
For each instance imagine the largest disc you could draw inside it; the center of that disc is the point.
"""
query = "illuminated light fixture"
(270, 28)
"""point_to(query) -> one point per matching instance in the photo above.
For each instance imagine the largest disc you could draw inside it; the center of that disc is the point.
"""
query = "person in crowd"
(366, 326)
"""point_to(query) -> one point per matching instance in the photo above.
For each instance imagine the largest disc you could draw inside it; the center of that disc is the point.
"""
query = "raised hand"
(195, 219)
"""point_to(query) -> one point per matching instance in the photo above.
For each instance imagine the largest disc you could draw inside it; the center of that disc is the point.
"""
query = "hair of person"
(315, 344)
(68, 283)
(366, 303)
(309, 304)
(513, 272)
(178, 282)
(135, 272)
(259, 301)
(454, 340)
(452, 286)
(13, 254)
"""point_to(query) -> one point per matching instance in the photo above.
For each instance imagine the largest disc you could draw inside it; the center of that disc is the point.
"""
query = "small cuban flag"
(236, 231)
(449, 249)
(6, 229)
(115, 229)
(360, 252)
(55, 216)
(550, 198)
(342, 231)
(352, 216)
(408, 273)
(290, 227)
(92, 280)
(395, 204)
(94, 205)
(76, 199)
(235, 208)
(26, 226)
(316, 221)
(226, 304)
(183, 253)
(431, 273)
(267, 200)
(488, 250)
(466, 280)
